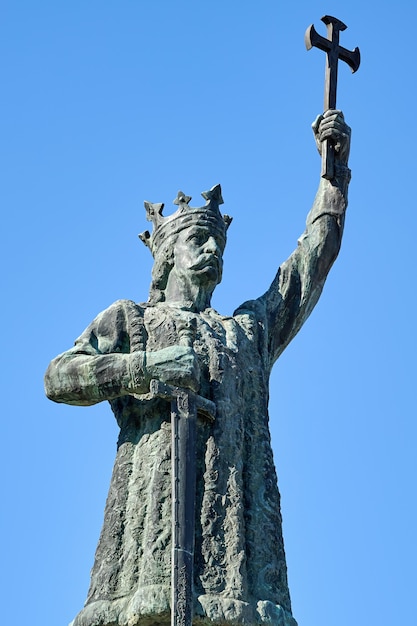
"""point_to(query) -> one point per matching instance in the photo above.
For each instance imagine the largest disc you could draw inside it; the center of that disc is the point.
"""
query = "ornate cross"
(334, 52)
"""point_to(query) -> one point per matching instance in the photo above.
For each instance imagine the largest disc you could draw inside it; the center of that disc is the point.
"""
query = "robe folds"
(240, 574)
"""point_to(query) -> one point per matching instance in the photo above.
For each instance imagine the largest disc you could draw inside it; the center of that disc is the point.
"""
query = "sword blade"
(184, 432)
(185, 405)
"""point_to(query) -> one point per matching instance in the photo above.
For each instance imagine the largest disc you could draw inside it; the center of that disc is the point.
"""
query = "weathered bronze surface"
(192, 520)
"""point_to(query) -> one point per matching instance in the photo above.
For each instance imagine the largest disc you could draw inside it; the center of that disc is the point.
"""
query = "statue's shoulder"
(252, 308)
(124, 307)
(115, 328)
(119, 314)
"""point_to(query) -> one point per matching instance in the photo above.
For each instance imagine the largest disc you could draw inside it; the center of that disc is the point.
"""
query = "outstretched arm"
(300, 279)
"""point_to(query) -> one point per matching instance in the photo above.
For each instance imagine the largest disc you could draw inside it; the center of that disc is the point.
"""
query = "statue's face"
(198, 253)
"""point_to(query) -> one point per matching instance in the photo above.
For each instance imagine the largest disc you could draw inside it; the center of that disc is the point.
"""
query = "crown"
(166, 227)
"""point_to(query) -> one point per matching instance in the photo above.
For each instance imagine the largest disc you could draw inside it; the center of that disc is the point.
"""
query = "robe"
(240, 573)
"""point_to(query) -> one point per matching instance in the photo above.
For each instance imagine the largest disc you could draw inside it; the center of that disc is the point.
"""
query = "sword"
(185, 406)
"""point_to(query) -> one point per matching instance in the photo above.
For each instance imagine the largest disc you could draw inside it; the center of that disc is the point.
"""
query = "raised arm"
(103, 364)
(300, 279)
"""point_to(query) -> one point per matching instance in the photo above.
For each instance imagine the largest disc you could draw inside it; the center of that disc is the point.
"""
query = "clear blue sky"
(106, 104)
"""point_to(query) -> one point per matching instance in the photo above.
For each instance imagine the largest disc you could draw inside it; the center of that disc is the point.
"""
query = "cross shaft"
(334, 52)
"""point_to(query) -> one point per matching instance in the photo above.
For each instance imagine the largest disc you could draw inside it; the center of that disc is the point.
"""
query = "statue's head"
(192, 241)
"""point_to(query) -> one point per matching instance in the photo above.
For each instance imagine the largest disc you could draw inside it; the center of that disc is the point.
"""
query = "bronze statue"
(192, 525)
(240, 572)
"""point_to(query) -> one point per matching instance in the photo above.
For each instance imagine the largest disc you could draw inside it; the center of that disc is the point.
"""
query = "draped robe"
(240, 574)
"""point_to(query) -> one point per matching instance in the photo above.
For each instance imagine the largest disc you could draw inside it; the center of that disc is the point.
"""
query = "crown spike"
(145, 238)
(227, 220)
(154, 211)
(215, 193)
(182, 199)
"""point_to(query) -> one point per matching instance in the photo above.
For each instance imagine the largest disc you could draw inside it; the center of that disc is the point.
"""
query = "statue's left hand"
(331, 125)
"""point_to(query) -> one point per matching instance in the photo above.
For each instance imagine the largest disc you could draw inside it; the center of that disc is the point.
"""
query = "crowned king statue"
(177, 342)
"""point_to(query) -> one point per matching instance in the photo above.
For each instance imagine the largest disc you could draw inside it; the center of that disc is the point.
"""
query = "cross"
(334, 52)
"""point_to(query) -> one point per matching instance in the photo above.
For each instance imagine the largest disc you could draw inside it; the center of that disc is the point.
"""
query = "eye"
(197, 239)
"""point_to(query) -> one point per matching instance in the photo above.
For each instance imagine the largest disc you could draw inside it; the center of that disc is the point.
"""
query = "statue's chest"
(217, 340)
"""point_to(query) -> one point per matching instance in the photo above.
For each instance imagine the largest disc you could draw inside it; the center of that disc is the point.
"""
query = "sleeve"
(299, 281)
(100, 365)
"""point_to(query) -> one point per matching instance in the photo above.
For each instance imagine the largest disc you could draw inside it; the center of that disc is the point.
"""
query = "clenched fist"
(331, 125)
(176, 365)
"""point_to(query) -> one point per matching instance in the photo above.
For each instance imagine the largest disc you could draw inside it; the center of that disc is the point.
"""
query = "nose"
(211, 245)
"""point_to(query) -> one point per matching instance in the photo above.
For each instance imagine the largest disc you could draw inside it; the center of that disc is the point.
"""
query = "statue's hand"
(176, 365)
(331, 125)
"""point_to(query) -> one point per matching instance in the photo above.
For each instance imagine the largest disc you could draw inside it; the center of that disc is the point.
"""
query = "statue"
(178, 340)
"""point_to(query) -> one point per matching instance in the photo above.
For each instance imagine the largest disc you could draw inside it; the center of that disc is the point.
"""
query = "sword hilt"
(187, 332)
(205, 407)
